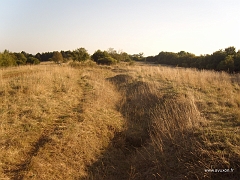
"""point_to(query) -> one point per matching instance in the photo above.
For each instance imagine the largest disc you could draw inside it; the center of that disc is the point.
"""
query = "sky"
(132, 26)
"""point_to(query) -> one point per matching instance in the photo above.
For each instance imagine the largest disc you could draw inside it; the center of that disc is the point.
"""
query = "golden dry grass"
(82, 121)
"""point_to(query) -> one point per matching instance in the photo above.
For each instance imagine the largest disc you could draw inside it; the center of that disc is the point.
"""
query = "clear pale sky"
(134, 26)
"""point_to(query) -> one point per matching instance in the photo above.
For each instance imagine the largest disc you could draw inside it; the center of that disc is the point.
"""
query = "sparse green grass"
(82, 121)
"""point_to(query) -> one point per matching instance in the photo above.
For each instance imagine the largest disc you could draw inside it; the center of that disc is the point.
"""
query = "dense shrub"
(15, 59)
(7, 59)
(57, 57)
(107, 61)
(102, 57)
(33, 60)
(80, 54)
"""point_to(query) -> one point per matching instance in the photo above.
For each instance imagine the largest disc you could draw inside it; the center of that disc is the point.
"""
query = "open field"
(83, 121)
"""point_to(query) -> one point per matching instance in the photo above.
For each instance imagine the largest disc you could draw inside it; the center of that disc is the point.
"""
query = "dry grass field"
(83, 121)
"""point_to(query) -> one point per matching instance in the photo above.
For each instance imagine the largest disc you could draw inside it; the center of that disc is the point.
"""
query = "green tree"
(119, 56)
(38, 56)
(107, 61)
(237, 62)
(99, 54)
(137, 57)
(57, 57)
(102, 57)
(47, 56)
(7, 59)
(168, 58)
(216, 58)
(113, 53)
(20, 58)
(125, 57)
(230, 50)
(227, 64)
(80, 54)
(185, 59)
(32, 60)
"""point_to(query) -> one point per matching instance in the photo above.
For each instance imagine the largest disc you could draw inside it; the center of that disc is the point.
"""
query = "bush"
(7, 59)
(57, 57)
(237, 62)
(107, 61)
(102, 57)
(80, 54)
(227, 64)
(33, 60)
(98, 55)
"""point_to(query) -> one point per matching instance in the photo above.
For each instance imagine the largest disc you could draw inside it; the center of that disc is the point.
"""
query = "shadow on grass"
(158, 142)
(135, 106)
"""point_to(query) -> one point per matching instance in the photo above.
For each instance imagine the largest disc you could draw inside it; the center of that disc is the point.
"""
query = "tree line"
(227, 59)
(15, 59)
(107, 57)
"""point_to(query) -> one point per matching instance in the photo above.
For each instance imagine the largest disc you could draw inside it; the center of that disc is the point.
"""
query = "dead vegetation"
(120, 122)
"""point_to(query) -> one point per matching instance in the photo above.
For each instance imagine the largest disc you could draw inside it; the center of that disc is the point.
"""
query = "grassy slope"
(121, 122)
